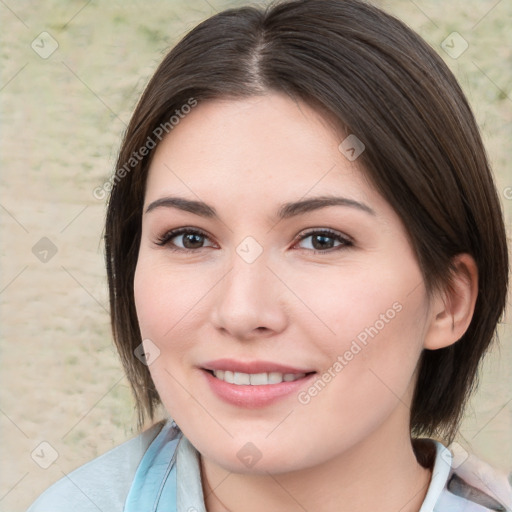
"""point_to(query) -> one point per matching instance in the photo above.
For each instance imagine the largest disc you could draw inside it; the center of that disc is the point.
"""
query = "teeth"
(242, 378)
(259, 379)
(256, 379)
(275, 378)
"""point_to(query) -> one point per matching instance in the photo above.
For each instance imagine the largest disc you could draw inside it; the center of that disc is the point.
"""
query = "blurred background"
(71, 74)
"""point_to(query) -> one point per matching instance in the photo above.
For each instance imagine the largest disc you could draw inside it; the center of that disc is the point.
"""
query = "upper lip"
(252, 366)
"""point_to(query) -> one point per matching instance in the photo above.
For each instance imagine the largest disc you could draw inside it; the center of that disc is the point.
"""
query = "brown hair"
(423, 153)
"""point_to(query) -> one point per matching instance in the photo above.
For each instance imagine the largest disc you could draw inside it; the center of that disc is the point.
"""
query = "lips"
(253, 367)
(254, 384)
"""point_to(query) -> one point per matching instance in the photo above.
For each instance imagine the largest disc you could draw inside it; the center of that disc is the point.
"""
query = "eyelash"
(345, 241)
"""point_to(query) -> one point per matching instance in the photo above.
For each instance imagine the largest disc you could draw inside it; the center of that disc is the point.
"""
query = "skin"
(349, 447)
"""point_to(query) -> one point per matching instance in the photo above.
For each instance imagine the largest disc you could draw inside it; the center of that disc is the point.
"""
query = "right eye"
(191, 239)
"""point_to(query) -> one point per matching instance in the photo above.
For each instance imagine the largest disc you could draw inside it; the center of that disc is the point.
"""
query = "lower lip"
(253, 397)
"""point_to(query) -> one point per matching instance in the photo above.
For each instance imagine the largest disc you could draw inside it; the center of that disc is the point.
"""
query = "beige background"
(62, 118)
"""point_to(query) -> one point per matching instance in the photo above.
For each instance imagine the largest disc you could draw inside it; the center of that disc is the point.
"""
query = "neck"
(379, 473)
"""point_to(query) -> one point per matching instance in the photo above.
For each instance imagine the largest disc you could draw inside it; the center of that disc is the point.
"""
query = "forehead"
(244, 151)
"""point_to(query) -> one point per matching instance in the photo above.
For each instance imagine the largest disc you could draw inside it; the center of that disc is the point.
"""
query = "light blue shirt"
(159, 471)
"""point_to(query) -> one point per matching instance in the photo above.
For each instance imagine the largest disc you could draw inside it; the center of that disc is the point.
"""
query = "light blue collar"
(154, 484)
(168, 477)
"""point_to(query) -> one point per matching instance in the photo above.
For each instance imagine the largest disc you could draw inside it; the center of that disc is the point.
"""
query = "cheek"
(370, 327)
(369, 368)
(164, 303)
(148, 301)
(165, 299)
(363, 303)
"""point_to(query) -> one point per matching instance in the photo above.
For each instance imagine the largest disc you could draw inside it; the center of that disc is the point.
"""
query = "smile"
(254, 384)
(256, 379)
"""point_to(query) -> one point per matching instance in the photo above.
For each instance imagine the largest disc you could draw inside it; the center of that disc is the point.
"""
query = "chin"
(245, 457)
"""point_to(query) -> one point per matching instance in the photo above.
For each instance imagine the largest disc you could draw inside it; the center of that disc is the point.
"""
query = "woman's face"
(290, 276)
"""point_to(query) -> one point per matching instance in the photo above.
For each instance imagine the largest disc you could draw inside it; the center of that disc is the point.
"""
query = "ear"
(451, 309)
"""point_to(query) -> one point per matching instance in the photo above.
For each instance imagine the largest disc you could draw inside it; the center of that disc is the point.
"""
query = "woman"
(307, 261)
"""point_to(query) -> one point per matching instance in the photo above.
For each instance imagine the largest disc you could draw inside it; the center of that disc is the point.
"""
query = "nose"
(249, 301)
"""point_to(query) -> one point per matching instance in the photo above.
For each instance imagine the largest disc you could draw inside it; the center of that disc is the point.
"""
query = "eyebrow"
(286, 211)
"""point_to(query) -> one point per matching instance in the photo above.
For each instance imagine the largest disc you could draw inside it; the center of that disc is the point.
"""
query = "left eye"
(324, 240)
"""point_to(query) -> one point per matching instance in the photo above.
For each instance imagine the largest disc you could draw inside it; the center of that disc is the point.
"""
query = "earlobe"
(452, 308)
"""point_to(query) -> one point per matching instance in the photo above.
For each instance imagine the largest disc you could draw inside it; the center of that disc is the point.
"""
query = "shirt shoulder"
(461, 482)
(102, 483)
(459, 496)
